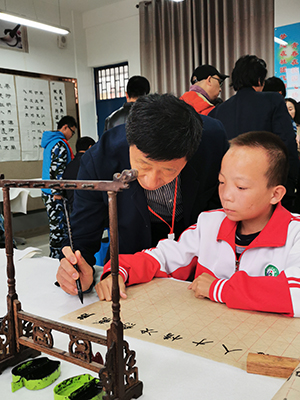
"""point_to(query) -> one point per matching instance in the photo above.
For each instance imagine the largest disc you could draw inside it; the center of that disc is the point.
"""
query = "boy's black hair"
(84, 143)
(66, 120)
(137, 86)
(248, 71)
(297, 111)
(274, 84)
(275, 149)
(164, 127)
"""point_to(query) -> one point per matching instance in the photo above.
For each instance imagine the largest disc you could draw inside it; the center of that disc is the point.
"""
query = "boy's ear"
(278, 193)
(64, 128)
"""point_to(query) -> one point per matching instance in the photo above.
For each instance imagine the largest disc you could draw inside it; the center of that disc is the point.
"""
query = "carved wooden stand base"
(17, 358)
(23, 335)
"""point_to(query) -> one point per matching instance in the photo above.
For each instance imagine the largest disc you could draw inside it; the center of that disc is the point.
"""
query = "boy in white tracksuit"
(246, 255)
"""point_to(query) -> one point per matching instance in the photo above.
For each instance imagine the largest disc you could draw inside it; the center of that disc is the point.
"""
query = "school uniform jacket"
(267, 277)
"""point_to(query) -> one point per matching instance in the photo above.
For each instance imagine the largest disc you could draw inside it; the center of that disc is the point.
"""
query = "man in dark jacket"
(177, 179)
(137, 86)
(251, 109)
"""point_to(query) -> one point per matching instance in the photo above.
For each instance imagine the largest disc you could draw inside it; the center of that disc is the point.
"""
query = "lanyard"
(171, 235)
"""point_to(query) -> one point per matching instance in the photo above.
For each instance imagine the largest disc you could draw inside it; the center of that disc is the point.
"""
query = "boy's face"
(243, 188)
(68, 131)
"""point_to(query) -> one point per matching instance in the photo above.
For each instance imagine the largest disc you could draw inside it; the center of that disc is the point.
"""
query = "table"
(165, 373)
(19, 198)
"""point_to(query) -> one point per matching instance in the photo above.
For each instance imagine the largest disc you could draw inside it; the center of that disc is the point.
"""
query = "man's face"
(153, 174)
(243, 187)
(215, 87)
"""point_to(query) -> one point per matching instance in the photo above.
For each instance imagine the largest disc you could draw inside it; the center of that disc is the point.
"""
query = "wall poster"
(13, 36)
(9, 128)
(34, 115)
(287, 59)
(58, 101)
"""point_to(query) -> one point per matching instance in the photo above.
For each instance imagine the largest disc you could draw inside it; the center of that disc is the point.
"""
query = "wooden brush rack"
(23, 335)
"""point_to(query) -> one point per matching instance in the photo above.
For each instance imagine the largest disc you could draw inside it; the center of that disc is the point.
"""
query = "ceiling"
(30, 6)
(83, 5)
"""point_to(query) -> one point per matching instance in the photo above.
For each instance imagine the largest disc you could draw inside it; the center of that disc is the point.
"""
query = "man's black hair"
(66, 120)
(84, 143)
(137, 86)
(274, 84)
(164, 127)
(248, 71)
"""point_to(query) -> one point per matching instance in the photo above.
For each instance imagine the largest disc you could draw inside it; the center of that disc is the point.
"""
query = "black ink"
(202, 342)
(128, 325)
(102, 321)
(84, 316)
(172, 336)
(229, 351)
(147, 330)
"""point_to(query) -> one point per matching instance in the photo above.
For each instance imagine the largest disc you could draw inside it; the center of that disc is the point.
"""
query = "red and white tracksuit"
(209, 246)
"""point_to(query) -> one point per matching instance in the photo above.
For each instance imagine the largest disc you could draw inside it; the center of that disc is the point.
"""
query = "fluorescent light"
(33, 24)
(280, 41)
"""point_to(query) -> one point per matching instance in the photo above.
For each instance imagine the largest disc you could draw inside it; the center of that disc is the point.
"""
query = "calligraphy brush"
(78, 283)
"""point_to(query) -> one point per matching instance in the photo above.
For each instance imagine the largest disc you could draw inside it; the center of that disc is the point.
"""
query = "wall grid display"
(34, 109)
(31, 103)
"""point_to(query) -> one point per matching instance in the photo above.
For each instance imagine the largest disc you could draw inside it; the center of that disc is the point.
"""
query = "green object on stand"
(81, 387)
(35, 374)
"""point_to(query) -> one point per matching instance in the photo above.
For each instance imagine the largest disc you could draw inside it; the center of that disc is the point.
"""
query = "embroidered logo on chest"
(271, 270)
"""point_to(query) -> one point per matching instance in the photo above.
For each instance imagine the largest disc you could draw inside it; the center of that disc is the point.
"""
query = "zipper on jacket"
(237, 264)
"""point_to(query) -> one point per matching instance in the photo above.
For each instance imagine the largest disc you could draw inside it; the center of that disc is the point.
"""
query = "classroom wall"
(107, 35)
(44, 56)
(112, 35)
(112, 32)
(287, 12)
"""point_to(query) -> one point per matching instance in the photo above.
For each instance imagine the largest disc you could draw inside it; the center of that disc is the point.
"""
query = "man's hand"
(201, 285)
(104, 288)
(67, 275)
(57, 197)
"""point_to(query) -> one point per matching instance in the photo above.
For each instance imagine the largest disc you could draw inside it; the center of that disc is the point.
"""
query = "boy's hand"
(66, 274)
(104, 288)
(201, 285)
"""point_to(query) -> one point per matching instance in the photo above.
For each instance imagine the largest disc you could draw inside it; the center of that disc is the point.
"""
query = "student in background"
(56, 156)
(274, 84)
(137, 86)
(251, 109)
(71, 171)
(206, 86)
(293, 109)
(246, 255)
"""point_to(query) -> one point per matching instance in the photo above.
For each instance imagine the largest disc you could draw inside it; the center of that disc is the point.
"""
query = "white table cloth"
(166, 373)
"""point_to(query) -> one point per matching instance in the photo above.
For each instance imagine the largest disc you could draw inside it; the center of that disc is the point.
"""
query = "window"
(111, 81)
